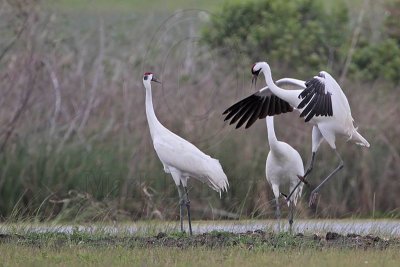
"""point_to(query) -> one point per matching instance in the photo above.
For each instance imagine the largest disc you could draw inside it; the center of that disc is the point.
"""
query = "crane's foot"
(301, 178)
(313, 198)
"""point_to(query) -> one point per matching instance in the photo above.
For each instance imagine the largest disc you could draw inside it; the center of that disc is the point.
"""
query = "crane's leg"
(303, 178)
(188, 210)
(316, 140)
(291, 210)
(275, 189)
(314, 193)
(181, 204)
(310, 165)
(278, 213)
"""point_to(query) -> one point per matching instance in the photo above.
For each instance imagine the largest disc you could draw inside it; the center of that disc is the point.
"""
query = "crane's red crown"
(147, 73)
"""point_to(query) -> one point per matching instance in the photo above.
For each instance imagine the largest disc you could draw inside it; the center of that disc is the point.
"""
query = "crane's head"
(255, 70)
(149, 77)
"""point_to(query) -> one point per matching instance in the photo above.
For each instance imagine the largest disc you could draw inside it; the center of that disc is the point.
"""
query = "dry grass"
(74, 137)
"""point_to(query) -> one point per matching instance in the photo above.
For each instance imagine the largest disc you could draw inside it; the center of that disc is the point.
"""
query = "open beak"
(254, 79)
(155, 80)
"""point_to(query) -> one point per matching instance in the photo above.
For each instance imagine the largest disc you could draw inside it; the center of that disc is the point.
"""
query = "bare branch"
(57, 95)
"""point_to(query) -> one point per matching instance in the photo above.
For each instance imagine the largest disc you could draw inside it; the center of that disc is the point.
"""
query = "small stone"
(261, 232)
(332, 236)
(353, 235)
(373, 238)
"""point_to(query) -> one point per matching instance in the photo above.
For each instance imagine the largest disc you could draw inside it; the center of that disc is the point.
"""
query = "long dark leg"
(314, 193)
(291, 210)
(278, 213)
(309, 169)
(188, 210)
(311, 165)
(181, 204)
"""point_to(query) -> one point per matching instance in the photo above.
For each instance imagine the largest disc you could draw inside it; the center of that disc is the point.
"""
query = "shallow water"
(389, 228)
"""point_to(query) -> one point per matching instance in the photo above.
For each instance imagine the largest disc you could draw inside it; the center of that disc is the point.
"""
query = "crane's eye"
(255, 72)
(145, 77)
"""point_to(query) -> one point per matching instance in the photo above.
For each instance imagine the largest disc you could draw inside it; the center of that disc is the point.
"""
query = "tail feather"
(359, 139)
(216, 177)
(297, 194)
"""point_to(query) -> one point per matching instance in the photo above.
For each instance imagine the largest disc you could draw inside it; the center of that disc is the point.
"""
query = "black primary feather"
(315, 100)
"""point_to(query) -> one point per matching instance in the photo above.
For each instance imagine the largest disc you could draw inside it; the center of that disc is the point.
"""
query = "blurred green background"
(75, 144)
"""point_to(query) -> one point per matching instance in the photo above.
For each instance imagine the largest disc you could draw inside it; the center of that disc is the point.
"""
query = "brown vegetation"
(75, 141)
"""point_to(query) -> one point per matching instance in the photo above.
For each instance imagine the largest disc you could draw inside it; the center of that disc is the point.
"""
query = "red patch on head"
(147, 73)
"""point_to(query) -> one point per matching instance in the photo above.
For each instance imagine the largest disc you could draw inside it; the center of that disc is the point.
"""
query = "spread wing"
(261, 104)
(316, 98)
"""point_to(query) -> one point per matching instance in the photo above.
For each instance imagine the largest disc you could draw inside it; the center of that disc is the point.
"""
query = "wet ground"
(359, 234)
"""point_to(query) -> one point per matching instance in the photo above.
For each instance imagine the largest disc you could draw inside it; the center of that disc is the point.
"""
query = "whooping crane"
(320, 100)
(284, 165)
(180, 158)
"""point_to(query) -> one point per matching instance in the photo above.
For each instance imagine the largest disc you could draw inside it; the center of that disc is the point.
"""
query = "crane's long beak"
(155, 80)
(254, 79)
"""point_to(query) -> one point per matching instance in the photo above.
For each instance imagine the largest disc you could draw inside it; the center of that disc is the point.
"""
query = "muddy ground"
(248, 240)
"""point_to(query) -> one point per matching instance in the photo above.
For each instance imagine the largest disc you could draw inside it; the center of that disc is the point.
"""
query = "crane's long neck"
(272, 140)
(290, 96)
(154, 124)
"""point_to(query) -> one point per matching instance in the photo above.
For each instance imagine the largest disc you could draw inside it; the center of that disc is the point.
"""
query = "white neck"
(150, 114)
(271, 131)
(290, 96)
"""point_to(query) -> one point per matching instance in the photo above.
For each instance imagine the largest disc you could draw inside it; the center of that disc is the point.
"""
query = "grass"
(78, 255)
(100, 247)
(70, 168)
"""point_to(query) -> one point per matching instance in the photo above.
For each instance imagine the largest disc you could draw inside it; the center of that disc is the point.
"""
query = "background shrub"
(303, 34)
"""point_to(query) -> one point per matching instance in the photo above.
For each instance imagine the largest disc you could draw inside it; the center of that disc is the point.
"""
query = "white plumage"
(283, 166)
(181, 158)
(320, 100)
(339, 123)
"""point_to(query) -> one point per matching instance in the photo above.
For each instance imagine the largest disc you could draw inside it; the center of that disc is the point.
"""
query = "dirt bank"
(247, 240)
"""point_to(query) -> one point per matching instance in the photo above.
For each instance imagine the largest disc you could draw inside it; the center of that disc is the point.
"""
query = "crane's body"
(283, 166)
(180, 158)
(339, 122)
(320, 100)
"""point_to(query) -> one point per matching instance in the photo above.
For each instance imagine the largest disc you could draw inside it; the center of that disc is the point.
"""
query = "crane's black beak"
(155, 80)
(254, 79)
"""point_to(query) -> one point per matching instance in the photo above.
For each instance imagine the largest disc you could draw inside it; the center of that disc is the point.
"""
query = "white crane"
(284, 165)
(320, 100)
(180, 158)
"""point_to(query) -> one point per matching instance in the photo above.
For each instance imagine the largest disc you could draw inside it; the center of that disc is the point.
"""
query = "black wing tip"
(314, 100)
(249, 110)
(249, 124)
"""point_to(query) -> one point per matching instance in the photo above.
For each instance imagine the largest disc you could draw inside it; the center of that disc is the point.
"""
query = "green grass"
(77, 255)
